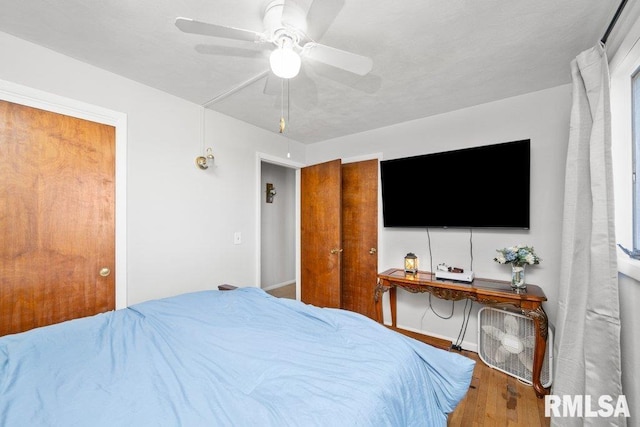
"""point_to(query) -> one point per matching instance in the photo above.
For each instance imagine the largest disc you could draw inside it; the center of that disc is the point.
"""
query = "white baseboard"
(465, 345)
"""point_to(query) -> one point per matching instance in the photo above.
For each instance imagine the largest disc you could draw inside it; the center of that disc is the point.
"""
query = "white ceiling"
(429, 56)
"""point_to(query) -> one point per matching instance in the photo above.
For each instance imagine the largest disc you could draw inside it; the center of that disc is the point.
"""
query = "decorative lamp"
(203, 162)
(411, 263)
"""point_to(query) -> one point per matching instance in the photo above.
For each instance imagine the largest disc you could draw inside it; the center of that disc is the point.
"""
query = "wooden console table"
(489, 292)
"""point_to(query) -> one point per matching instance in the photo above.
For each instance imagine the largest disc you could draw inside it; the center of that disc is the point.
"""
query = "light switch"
(237, 238)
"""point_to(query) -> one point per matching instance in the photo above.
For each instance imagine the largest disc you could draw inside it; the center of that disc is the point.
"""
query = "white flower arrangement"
(517, 255)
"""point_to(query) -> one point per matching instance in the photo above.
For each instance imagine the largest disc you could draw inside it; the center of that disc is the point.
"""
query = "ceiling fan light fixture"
(285, 63)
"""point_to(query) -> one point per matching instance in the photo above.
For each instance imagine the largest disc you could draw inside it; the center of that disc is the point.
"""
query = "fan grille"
(498, 353)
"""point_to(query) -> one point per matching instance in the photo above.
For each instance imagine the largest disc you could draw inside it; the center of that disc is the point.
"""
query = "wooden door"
(57, 216)
(339, 236)
(320, 234)
(360, 238)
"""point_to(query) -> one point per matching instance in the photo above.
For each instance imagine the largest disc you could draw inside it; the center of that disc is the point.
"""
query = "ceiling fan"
(290, 29)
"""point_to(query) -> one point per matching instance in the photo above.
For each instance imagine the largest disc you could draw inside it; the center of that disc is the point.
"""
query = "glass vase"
(517, 277)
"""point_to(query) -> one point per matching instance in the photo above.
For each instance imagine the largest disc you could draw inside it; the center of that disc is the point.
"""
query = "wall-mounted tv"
(478, 187)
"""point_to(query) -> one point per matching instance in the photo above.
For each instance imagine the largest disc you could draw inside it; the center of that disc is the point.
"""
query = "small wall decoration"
(271, 191)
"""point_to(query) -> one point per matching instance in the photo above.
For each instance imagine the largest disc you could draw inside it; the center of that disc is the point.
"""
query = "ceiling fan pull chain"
(282, 122)
(288, 99)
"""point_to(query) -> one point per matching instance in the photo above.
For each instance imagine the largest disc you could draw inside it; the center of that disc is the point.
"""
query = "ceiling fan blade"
(203, 28)
(301, 90)
(231, 51)
(367, 84)
(272, 85)
(348, 61)
(321, 15)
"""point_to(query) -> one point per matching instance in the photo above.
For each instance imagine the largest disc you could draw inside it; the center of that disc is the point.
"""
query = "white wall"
(180, 219)
(278, 227)
(542, 117)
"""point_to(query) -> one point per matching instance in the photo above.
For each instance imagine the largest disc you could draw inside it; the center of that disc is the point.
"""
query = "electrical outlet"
(237, 238)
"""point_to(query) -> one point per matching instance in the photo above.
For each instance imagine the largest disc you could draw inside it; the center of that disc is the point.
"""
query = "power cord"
(436, 313)
(430, 255)
(465, 314)
(471, 249)
(468, 304)
(431, 270)
(463, 328)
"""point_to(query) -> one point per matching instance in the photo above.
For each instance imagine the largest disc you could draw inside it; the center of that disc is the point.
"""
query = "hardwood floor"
(288, 291)
(494, 398)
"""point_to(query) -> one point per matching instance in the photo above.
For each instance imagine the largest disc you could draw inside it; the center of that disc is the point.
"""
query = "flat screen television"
(478, 187)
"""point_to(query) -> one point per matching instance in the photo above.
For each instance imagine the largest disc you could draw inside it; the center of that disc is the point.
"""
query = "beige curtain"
(587, 344)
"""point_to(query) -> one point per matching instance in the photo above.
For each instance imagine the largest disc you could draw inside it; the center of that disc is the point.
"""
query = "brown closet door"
(56, 218)
(360, 238)
(320, 234)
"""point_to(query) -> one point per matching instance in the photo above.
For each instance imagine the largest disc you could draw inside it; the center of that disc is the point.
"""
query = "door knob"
(372, 251)
(105, 271)
(336, 251)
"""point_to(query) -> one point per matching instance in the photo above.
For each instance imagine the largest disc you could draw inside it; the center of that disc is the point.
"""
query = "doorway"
(278, 226)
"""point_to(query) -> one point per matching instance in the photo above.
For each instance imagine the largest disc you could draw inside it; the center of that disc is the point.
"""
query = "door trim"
(30, 97)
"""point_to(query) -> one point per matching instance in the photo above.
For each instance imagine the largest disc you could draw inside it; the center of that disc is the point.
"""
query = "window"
(624, 69)
(635, 123)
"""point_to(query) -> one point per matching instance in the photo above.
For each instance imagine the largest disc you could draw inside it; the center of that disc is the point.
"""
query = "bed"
(228, 358)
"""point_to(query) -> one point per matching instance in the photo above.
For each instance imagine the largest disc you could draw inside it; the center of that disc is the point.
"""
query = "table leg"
(541, 324)
(392, 303)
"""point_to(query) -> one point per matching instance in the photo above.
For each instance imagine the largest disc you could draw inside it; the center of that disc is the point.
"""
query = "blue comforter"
(232, 358)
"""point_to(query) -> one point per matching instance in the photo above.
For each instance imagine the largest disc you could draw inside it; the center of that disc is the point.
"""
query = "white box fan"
(506, 342)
